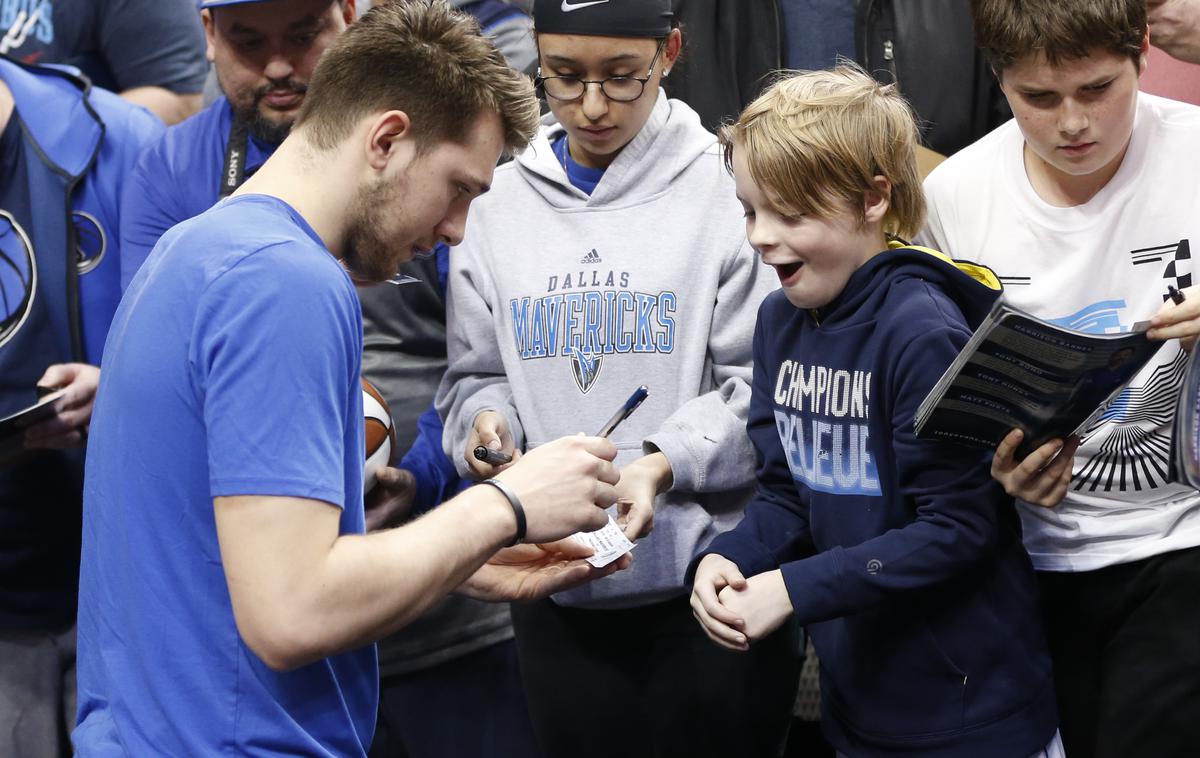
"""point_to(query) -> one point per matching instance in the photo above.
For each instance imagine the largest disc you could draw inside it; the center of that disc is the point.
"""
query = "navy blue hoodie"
(901, 556)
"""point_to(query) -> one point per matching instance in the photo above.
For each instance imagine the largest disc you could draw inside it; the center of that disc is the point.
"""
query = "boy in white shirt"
(1085, 205)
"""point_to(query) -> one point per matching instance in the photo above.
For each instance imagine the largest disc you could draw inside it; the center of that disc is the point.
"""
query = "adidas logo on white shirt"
(592, 257)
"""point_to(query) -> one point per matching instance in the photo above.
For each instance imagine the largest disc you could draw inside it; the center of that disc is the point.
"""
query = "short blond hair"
(817, 137)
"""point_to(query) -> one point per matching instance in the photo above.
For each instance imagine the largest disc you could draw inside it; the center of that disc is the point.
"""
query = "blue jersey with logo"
(67, 150)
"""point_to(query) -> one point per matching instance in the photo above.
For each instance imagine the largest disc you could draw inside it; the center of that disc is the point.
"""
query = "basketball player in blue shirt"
(228, 597)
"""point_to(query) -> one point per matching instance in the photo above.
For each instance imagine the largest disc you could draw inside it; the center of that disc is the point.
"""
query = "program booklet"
(1019, 371)
(1185, 442)
(12, 427)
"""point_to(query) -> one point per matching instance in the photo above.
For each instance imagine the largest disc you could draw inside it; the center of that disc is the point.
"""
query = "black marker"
(491, 457)
(1176, 296)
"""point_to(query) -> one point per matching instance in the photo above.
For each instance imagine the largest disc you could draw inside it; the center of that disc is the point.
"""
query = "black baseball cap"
(606, 18)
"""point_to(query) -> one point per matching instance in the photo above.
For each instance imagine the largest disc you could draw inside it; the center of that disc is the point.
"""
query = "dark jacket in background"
(730, 46)
(927, 46)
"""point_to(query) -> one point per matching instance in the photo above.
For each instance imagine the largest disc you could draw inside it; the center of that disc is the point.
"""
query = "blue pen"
(637, 398)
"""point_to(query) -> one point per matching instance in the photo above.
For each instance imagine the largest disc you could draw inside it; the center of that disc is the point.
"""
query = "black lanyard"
(235, 158)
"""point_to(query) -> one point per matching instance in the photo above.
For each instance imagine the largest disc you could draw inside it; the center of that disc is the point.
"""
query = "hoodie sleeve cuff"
(685, 467)
(814, 586)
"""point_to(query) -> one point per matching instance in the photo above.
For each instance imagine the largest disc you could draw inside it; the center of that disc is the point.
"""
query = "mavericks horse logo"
(90, 241)
(18, 276)
(585, 367)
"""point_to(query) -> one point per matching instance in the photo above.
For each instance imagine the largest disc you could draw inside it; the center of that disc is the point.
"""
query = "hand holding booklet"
(1185, 442)
(1018, 371)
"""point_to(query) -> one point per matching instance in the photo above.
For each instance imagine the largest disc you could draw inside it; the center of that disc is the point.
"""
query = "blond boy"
(901, 556)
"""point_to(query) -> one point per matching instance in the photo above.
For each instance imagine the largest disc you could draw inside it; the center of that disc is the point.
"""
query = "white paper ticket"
(608, 543)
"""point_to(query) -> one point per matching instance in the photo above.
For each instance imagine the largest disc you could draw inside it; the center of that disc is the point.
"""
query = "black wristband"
(515, 502)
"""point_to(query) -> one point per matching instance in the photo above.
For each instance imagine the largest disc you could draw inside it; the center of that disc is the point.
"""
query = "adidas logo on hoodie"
(592, 257)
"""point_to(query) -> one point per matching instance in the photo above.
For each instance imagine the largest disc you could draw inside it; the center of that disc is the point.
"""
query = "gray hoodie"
(561, 304)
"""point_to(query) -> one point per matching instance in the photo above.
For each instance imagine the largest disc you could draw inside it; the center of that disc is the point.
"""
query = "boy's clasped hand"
(735, 611)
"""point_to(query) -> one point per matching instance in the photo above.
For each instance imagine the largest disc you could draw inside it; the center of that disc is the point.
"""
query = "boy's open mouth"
(787, 270)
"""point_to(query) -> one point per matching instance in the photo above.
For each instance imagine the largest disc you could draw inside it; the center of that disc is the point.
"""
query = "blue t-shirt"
(582, 177)
(119, 44)
(177, 178)
(232, 368)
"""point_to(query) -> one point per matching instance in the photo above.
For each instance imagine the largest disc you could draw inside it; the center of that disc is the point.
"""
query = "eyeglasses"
(621, 89)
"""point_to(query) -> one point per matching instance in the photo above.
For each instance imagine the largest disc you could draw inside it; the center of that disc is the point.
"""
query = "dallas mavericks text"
(572, 320)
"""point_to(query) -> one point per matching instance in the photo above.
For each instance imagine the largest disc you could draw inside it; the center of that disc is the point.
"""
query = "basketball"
(381, 436)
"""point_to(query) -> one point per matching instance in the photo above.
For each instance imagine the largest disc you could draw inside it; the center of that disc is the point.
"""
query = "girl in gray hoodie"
(608, 255)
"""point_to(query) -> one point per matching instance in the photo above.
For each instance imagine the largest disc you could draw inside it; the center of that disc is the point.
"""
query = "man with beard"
(228, 595)
(264, 54)
(462, 650)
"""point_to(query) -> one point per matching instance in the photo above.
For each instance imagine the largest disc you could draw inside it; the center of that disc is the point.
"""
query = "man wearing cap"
(264, 54)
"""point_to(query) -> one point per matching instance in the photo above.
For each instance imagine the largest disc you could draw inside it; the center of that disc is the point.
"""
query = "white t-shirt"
(1098, 267)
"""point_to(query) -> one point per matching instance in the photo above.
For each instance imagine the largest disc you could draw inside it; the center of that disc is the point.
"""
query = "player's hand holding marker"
(490, 449)
(563, 487)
